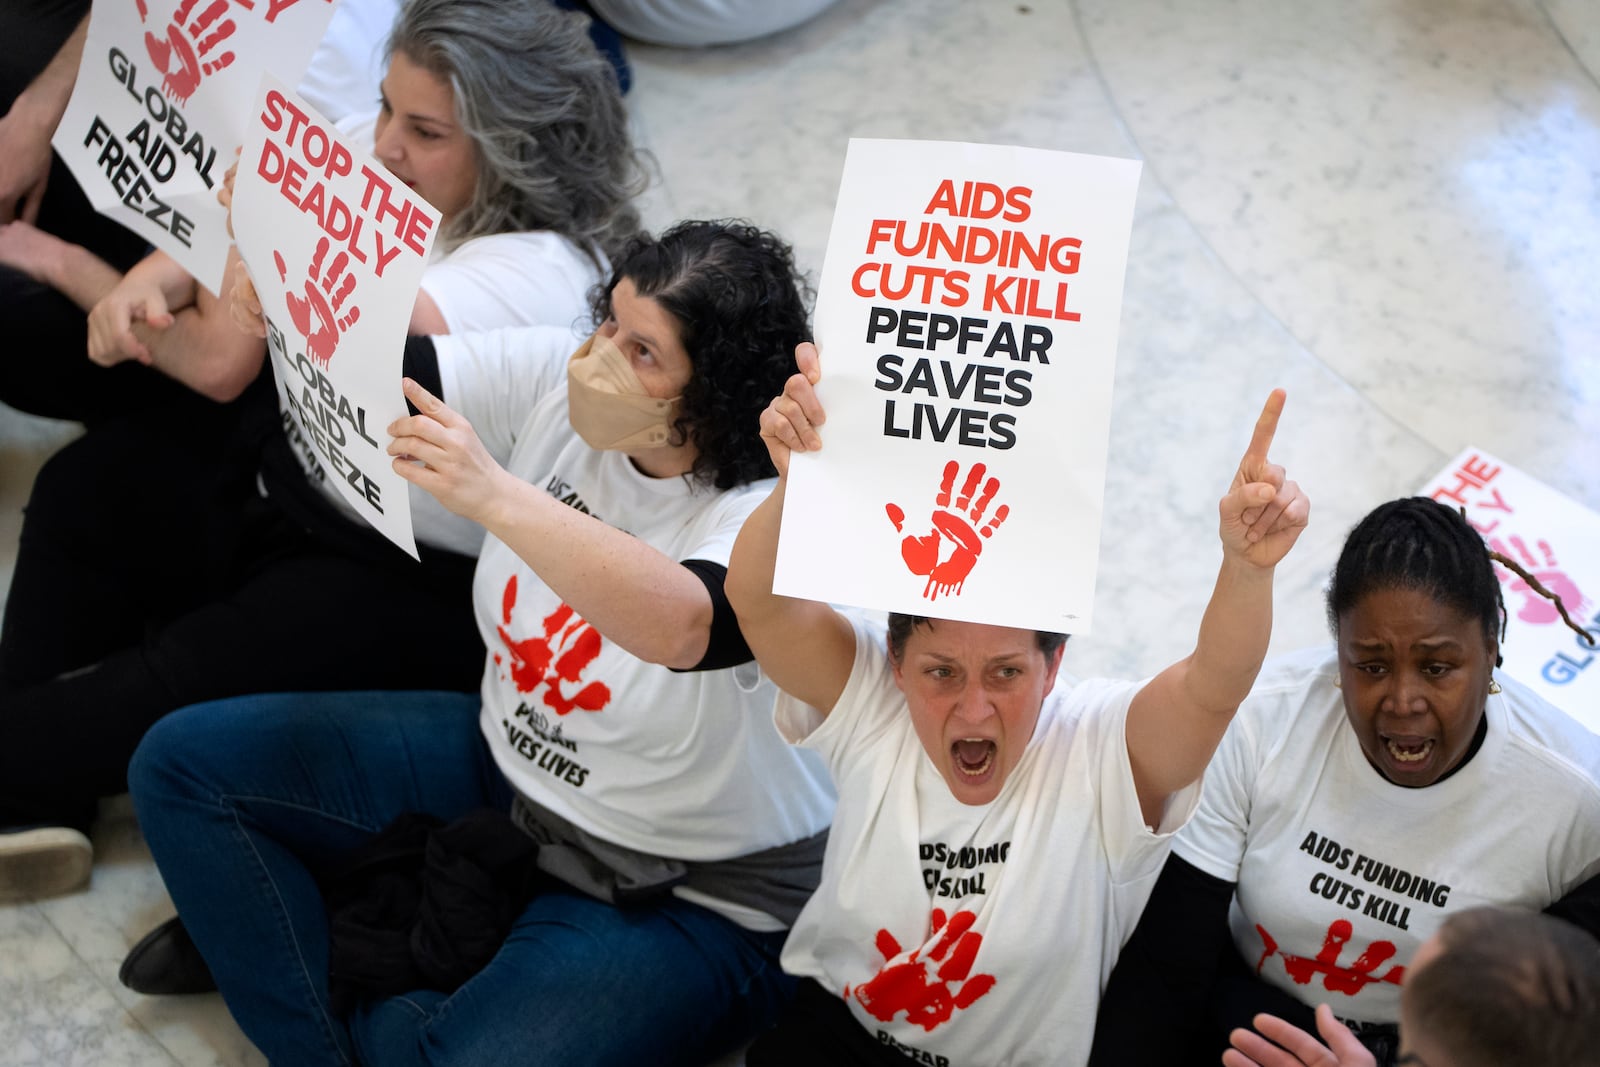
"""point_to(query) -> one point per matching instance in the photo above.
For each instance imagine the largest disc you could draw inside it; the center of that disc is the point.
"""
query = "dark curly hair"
(740, 306)
(1418, 543)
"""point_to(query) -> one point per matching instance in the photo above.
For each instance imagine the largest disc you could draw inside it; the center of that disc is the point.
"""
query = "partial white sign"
(1555, 540)
(161, 101)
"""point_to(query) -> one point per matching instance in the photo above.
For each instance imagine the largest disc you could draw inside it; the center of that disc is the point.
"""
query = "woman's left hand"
(438, 450)
(1263, 513)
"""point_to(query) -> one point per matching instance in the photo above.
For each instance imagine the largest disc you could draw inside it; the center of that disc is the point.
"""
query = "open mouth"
(973, 758)
(1408, 750)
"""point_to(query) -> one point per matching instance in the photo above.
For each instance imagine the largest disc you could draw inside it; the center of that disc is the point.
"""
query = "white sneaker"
(45, 861)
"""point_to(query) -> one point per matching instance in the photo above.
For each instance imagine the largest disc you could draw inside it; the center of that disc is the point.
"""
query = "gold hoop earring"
(1337, 684)
(1494, 686)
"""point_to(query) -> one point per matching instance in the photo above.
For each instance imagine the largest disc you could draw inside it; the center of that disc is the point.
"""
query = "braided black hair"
(1420, 544)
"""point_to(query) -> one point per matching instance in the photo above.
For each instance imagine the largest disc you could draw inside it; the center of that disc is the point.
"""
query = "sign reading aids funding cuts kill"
(161, 101)
(967, 323)
(1557, 542)
(336, 246)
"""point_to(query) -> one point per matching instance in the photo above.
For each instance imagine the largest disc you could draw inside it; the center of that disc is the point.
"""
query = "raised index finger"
(1266, 425)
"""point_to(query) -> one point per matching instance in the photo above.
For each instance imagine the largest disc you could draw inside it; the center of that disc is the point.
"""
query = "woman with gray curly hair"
(505, 118)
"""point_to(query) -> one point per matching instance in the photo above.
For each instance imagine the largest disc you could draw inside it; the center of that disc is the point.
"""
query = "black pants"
(817, 1027)
(44, 362)
(151, 575)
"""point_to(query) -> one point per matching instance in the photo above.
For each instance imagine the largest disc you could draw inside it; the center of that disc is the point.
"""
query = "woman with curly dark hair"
(621, 721)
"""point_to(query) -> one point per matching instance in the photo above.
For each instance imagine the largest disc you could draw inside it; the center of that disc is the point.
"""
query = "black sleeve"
(1580, 907)
(727, 647)
(1155, 1007)
(421, 365)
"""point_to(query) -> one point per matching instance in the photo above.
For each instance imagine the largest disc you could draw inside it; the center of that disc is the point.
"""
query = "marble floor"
(1389, 207)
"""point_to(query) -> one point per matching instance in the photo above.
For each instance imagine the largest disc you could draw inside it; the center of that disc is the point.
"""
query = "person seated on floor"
(59, 257)
(168, 558)
(620, 719)
(1491, 987)
(1363, 794)
(62, 284)
(997, 828)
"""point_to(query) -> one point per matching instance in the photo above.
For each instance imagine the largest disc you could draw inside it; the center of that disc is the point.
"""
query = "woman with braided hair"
(1362, 795)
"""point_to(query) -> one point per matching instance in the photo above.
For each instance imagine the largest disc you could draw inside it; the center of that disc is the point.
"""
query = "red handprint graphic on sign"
(555, 659)
(1336, 979)
(321, 302)
(928, 1000)
(182, 55)
(1536, 609)
(922, 554)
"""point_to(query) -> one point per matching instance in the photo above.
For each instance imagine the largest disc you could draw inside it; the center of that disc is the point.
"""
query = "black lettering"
(889, 378)
(1035, 342)
(880, 320)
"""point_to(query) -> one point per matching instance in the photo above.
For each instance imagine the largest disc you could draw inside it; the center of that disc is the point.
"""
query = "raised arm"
(601, 571)
(805, 647)
(1177, 719)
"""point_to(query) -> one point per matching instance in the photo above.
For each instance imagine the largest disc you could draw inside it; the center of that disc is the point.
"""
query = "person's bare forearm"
(80, 275)
(203, 350)
(48, 93)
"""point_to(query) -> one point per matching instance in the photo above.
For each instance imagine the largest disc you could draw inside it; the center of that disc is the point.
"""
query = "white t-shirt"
(685, 765)
(704, 22)
(975, 935)
(1342, 874)
(347, 66)
(490, 282)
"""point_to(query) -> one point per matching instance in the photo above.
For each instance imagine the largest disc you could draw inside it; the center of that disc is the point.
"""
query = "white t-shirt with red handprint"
(976, 935)
(685, 765)
(1342, 874)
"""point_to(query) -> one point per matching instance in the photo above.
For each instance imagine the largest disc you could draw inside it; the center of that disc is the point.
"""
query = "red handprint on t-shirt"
(1335, 979)
(928, 1000)
(321, 303)
(555, 659)
(922, 554)
(182, 55)
(1537, 609)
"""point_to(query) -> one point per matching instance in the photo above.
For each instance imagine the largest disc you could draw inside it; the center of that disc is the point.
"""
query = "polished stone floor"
(1389, 207)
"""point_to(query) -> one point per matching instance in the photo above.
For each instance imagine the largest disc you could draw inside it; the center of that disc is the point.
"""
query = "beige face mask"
(607, 404)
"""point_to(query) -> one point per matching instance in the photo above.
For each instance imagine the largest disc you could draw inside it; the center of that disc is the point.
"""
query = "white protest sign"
(967, 321)
(336, 246)
(161, 101)
(1555, 540)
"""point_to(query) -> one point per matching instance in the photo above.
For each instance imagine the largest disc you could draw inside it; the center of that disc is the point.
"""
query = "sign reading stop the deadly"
(161, 101)
(336, 246)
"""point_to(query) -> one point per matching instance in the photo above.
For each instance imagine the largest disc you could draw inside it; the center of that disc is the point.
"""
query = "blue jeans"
(245, 801)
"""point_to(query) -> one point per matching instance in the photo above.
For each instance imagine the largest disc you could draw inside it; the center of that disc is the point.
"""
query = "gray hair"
(544, 111)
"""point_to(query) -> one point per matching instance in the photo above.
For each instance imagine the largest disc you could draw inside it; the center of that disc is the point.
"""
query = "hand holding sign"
(790, 422)
(1262, 514)
(438, 450)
